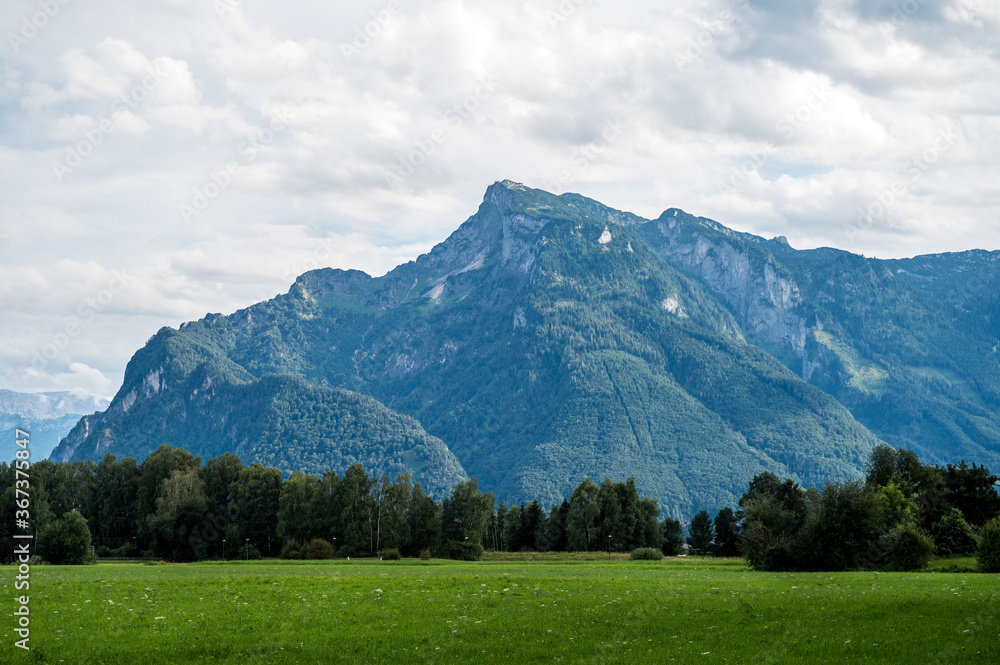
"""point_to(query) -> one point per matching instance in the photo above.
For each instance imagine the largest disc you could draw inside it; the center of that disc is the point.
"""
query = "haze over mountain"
(551, 338)
(48, 417)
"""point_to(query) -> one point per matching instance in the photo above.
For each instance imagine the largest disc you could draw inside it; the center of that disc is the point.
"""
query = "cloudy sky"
(167, 158)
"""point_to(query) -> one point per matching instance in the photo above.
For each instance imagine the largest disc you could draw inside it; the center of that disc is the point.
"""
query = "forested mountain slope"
(909, 346)
(548, 339)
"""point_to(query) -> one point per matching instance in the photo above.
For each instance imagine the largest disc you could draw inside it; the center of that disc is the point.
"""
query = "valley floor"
(581, 609)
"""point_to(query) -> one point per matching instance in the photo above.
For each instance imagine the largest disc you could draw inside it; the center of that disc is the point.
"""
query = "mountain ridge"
(551, 337)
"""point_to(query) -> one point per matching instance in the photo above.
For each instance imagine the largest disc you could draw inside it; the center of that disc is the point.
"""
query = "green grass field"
(549, 609)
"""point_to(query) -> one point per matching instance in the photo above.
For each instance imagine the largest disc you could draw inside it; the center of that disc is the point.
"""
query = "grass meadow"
(519, 609)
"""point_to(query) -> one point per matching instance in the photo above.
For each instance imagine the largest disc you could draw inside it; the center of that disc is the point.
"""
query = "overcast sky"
(168, 158)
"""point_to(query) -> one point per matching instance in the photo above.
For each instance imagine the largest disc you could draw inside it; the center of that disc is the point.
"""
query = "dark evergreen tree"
(973, 490)
(357, 516)
(727, 533)
(116, 484)
(533, 526)
(673, 536)
(255, 500)
(555, 532)
(701, 532)
(423, 524)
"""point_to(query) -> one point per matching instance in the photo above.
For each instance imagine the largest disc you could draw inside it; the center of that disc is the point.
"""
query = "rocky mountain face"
(908, 345)
(552, 338)
(47, 416)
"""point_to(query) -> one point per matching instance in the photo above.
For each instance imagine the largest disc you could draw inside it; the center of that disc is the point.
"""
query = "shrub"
(65, 540)
(319, 549)
(989, 546)
(390, 554)
(953, 535)
(646, 554)
(425, 555)
(464, 550)
(245, 552)
(293, 549)
(909, 548)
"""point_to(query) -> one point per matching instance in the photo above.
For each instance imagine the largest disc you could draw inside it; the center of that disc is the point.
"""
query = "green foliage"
(953, 535)
(769, 527)
(425, 555)
(673, 537)
(254, 499)
(65, 541)
(390, 554)
(841, 525)
(701, 532)
(293, 549)
(463, 550)
(555, 534)
(901, 468)
(988, 552)
(897, 507)
(319, 549)
(296, 504)
(909, 547)
(158, 466)
(581, 521)
(727, 533)
(181, 509)
(646, 554)
(464, 520)
(973, 491)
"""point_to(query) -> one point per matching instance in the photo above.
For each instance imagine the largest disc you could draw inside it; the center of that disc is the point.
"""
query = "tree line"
(173, 506)
(897, 518)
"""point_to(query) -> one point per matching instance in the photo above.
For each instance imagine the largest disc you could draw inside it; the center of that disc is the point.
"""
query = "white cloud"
(558, 77)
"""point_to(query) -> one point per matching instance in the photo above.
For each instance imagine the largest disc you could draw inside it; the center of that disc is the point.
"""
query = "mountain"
(276, 420)
(47, 416)
(909, 346)
(548, 339)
